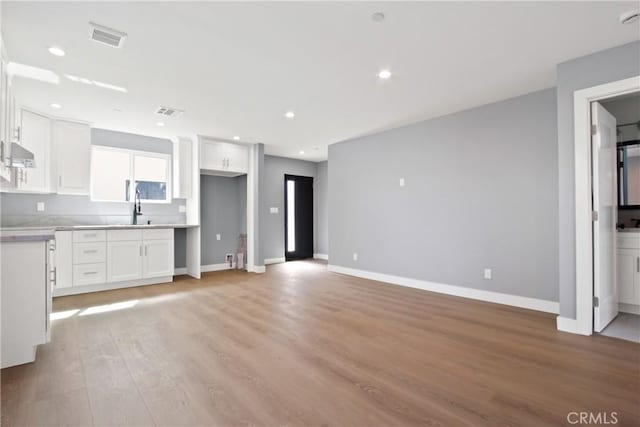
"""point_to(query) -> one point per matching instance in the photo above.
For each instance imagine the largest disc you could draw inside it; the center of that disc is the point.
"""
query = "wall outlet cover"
(487, 273)
(273, 210)
(40, 206)
(401, 182)
(355, 256)
(217, 236)
(182, 208)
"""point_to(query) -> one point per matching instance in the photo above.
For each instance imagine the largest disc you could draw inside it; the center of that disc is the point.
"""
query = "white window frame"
(132, 154)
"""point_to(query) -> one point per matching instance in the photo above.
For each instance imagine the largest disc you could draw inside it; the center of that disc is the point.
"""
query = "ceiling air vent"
(106, 35)
(169, 112)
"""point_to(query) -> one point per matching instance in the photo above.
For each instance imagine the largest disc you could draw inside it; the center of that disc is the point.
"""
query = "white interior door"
(605, 203)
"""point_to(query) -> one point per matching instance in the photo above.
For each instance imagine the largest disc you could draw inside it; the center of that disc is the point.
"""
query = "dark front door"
(298, 217)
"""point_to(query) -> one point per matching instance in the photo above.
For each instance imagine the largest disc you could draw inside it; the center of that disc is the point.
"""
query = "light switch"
(182, 208)
(273, 210)
(40, 206)
(487, 273)
(217, 236)
(401, 182)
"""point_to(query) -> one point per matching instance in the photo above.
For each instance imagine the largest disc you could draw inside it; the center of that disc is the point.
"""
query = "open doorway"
(298, 217)
(616, 229)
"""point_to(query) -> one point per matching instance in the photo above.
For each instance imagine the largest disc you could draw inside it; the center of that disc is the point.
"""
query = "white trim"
(565, 324)
(257, 269)
(83, 289)
(321, 256)
(582, 151)
(268, 261)
(251, 209)
(180, 271)
(460, 291)
(629, 308)
(217, 267)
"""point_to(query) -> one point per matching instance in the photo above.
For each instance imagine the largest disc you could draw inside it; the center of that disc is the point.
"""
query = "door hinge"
(594, 215)
(594, 129)
(596, 302)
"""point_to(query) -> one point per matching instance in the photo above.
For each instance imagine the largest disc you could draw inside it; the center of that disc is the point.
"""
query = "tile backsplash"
(20, 210)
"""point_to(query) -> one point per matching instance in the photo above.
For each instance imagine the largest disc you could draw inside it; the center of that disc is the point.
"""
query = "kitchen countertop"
(629, 230)
(54, 228)
(41, 234)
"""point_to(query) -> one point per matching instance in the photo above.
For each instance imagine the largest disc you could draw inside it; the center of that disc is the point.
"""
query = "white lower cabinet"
(628, 272)
(124, 261)
(158, 258)
(108, 259)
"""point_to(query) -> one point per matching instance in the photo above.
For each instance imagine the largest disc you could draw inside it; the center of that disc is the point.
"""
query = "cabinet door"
(73, 156)
(35, 136)
(124, 261)
(237, 157)
(64, 259)
(158, 258)
(212, 155)
(627, 273)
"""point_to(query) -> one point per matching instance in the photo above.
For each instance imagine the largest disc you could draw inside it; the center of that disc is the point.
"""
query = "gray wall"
(223, 211)
(272, 225)
(592, 70)
(320, 193)
(481, 191)
(130, 141)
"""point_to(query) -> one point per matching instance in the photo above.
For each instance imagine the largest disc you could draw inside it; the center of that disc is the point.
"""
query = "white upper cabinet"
(35, 136)
(223, 158)
(72, 142)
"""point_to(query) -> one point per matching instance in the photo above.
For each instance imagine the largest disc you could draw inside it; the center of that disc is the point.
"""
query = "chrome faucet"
(137, 208)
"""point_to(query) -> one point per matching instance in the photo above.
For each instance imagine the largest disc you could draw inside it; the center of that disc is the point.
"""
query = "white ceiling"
(236, 68)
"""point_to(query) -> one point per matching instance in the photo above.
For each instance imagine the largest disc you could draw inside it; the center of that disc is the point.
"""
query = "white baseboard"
(629, 308)
(74, 290)
(179, 271)
(268, 261)
(321, 256)
(566, 324)
(217, 267)
(477, 294)
(257, 269)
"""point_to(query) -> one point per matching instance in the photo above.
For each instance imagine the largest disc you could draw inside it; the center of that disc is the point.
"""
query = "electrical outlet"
(487, 273)
(355, 256)
(401, 182)
(217, 236)
(40, 206)
(182, 208)
(273, 210)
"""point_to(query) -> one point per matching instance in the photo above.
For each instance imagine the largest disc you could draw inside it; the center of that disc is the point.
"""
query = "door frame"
(287, 177)
(582, 100)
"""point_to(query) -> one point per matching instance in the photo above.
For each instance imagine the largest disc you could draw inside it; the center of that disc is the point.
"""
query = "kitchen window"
(113, 170)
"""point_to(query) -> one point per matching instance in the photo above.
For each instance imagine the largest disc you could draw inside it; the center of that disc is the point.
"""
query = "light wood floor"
(301, 346)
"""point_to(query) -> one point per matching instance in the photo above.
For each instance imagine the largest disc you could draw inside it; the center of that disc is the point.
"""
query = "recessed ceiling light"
(301, 151)
(236, 138)
(377, 17)
(289, 114)
(384, 74)
(56, 106)
(161, 124)
(54, 50)
(629, 16)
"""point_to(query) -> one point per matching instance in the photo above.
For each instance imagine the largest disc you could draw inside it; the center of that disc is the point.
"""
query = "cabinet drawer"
(158, 234)
(628, 240)
(123, 235)
(80, 236)
(89, 274)
(86, 253)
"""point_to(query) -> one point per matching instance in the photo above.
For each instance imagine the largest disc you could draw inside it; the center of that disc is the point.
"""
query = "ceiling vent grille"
(169, 112)
(106, 35)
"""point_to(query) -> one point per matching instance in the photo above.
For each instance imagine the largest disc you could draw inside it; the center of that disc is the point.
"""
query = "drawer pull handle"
(89, 273)
(638, 264)
(91, 251)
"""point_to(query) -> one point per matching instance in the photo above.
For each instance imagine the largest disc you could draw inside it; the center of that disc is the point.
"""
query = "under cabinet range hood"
(21, 157)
